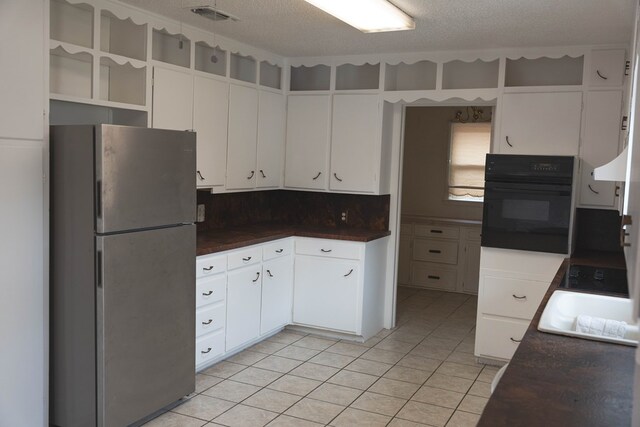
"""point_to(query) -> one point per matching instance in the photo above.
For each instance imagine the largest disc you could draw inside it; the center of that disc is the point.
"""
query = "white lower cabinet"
(277, 293)
(244, 290)
(326, 293)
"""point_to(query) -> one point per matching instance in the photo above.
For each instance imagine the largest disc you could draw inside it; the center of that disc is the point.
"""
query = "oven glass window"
(527, 210)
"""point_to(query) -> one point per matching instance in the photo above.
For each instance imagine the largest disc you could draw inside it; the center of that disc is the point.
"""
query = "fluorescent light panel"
(368, 16)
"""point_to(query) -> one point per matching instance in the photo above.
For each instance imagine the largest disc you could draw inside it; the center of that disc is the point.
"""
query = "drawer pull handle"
(247, 259)
(279, 251)
(206, 294)
(515, 340)
(326, 251)
(434, 277)
(317, 176)
(269, 273)
(207, 322)
(435, 251)
(436, 231)
(257, 277)
(262, 173)
(601, 76)
(251, 176)
(336, 176)
(208, 268)
(205, 351)
(200, 176)
(592, 190)
(507, 138)
(349, 273)
(517, 297)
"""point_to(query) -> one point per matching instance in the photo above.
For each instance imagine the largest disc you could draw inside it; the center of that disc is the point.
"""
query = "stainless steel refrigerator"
(122, 338)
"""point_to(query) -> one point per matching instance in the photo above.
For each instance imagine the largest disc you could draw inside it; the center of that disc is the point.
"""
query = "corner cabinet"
(540, 123)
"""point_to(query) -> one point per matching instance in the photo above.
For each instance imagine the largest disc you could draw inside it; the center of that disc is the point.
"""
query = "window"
(470, 142)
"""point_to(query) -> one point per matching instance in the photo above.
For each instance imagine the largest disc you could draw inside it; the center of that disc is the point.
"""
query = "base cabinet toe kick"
(245, 295)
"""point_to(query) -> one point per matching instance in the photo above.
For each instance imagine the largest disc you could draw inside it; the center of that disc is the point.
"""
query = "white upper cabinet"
(355, 143)
(307, 151)
(172, 99)
(271, 123)
(600, 145)
(540, 123)
(607, 67)
(241, 147)
(210, 111)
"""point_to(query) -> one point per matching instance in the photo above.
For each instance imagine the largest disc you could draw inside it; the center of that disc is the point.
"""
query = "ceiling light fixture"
(368, 16)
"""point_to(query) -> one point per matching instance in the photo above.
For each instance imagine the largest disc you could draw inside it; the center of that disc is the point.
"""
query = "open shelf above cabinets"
(122, 82)
(171, 48)
(420, 75)
(71, 23)
(317, 77)
(243, 68)
(470, 75)
(544, 71)
(357, 77)
(212, 60)
(270, 75)
(122, 37)
(70, 74)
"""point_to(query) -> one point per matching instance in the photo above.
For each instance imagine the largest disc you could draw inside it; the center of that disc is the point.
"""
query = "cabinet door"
(277, 293)
(307, 151)
(210, 111)
(243, 125)
(599, 145)
(471, 276)
(355, 140)
(326, 293)
(271, 122)
(540, 123)
(243, 306)
(172, 99)
(404, 260)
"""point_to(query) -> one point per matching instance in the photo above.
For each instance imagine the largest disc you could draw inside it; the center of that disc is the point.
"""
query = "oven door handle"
(525, 190)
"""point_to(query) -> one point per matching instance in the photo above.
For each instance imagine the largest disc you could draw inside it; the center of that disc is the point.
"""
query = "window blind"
(470, 142)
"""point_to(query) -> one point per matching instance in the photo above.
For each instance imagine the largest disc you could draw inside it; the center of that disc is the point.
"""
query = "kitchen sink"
(559, 316)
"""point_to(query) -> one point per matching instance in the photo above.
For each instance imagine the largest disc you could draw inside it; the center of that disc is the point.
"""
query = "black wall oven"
(527, 202)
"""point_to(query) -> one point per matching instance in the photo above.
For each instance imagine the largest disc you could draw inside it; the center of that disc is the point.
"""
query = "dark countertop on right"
(557, 380)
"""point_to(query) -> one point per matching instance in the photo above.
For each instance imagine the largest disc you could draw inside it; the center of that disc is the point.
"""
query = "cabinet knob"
(269, 273)
(601, 76)
(262, 173)
(509, 143)
(518, 297)
(336, 177)
(206, 294)
(515, 340)
(433, 277)
(257, 277)
(208, 322)
(205, 351)
(326, 251)
(247, 259)
(317, 176)
(592, 190)
(200, 176)
(626, 220)
(279, 251)
(208, 268)
(349, 273)
(251, 176)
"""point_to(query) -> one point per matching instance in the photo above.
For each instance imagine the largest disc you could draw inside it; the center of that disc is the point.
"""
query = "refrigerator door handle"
(98, 198)
(99, 268)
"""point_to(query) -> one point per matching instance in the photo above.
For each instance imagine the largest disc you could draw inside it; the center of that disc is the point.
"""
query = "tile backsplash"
(294, 208)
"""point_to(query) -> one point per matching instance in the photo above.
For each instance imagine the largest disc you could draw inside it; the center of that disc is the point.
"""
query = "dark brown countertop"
(555, 380)
(232, 238)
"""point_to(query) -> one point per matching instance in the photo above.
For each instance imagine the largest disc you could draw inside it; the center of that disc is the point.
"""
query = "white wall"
(23, 216)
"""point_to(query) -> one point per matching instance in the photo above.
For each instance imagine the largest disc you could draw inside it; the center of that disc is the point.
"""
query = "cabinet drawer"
(503, 296)
(607, 67)
(472, 233)
(434, 275)
(209, 346)
(277, 249)
(210, 264)
(211, 289)
(499, 337)
(244, 257)
(435, 251)
(329, 248)
(209, 319)
(439, 231)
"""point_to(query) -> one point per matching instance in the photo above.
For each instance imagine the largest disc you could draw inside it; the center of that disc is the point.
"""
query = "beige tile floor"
(421, 373)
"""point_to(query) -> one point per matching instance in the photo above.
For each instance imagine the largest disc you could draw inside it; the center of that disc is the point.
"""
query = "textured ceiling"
(295, 28)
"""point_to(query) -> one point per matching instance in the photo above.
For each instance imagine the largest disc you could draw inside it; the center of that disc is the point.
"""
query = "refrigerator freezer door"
(145, 178)
(145, 322)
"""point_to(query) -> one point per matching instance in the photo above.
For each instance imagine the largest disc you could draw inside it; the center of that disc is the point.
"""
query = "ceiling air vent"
(210, 12)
